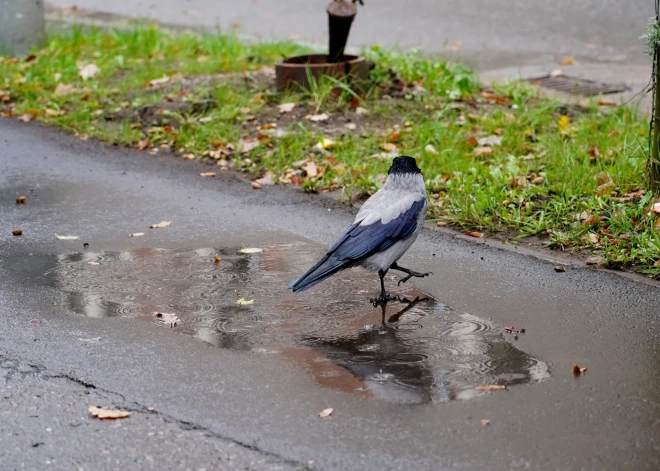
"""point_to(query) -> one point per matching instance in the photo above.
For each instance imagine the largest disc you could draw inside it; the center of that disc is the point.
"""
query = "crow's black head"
(404, 164)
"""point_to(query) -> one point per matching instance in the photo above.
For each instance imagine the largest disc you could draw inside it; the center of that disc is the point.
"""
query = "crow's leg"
(384, 298)
(410, 273)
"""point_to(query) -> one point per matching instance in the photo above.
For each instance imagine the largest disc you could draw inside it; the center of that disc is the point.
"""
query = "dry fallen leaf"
(560, 268)
(111, 414)
(490, 387)
(479, 151)
(592, 220)
(217, 259)
(430, 149)
(656, 208)
(61, 237)
(318, 117)
(591, 237)
(325, 143)
(441, 223)
(538, 180)
(361, 111)
(577, 371)
(311, 169)
(158, 81)
(246, 145)
(137, 234)
(143, 144)
(17, 232)
(26, 117)
(160, 224)
(493, 140)
(286, 107)
(87, 71)
(568, 61)
(256, 185)
(326, 412)
(20, 199)
(389, 147)
(563, 123)
(485, 422)
(606, 102)
(251, 250)
(474, 234)
(168, 318)
(207, 174)
(594, 260)
(53, 113)
(244, 302)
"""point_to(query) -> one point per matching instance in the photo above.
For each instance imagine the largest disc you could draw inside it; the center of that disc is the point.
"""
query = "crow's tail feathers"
(325, 268)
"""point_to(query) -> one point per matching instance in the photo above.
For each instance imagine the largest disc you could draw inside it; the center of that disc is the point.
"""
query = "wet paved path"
(245, 382)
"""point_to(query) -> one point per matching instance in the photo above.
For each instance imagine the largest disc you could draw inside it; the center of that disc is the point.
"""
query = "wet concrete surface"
(255, 376)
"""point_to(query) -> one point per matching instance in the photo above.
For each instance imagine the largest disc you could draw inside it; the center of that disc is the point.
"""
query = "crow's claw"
(414, 274)
(380, 300)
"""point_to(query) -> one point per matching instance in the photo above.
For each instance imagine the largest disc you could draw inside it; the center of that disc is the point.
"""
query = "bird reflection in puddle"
(414, 352)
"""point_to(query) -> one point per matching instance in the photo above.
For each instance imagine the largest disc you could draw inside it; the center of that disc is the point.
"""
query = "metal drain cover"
(577, 86)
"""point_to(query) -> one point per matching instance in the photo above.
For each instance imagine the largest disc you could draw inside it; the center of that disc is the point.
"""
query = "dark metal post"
(340, 18)
(22, 26)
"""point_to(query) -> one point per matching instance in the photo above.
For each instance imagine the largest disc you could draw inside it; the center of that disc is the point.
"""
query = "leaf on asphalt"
(493, 140)
(143, 144)
(20, 199)
(485, 422)
(481, 151)
(311, 169)
(160, 224)
(267, 179)
(87, 71)
(430, 149)
(62, 237)
(577, 371)
(137, 234)
(594, 260)
(207, 174)
(325, 412)
(168, 318)
(217, 259)
(256, 185)
(244, 302)
(441, 224)
(490, 387)
(454, 45)
(25, 117)
(17, 232)
(158, 81)
(474, 234)
(568, 61)
(246, 145)
(108, 414)
(251, 250)
(317, 117)
(563, 123)
(560, 268)
(286, 107)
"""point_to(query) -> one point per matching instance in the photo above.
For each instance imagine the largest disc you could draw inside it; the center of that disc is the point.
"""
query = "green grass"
(545, 178)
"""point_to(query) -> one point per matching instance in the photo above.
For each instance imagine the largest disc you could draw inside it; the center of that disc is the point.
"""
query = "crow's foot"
(414, 274)
(386, 298)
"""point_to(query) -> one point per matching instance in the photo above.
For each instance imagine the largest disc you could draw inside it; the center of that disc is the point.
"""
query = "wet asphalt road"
(492, 33)
(239, 387)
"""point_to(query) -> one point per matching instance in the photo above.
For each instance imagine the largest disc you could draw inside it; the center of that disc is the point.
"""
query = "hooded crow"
(384, 229)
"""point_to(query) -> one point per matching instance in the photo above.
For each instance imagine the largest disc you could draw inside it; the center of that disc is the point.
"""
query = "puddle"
(429, 353)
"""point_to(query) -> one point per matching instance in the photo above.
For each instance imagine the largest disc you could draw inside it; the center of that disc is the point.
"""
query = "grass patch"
(502, 160)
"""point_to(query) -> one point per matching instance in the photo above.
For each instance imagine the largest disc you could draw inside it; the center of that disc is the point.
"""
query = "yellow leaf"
(563, 123)
(490, 387)
(244, 302)
(112, 414)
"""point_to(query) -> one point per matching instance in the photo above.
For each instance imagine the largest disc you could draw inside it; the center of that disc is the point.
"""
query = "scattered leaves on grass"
(286, 107)
(65, 89)
(311, 169)
(577, 371)
(491, 387)
(207, 174)
(143, 144)
(267, 179)
(591, 220)
(158, 81)
(560, 268)
(476, 234)
(389, 147)
(62, 237)
(20, 200)
(485, 422)
(17, 232)
(160, 224)
(251, 250)
(108, 414)
(217, 259)
(54, 113)
(168, 318)
(563, 123)
(325, 412)
(482, 150)
(246, 145)
(244, 302)
(318, 117)
(87, 71)
(591, 237)
(137, 234)
(594, 260)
